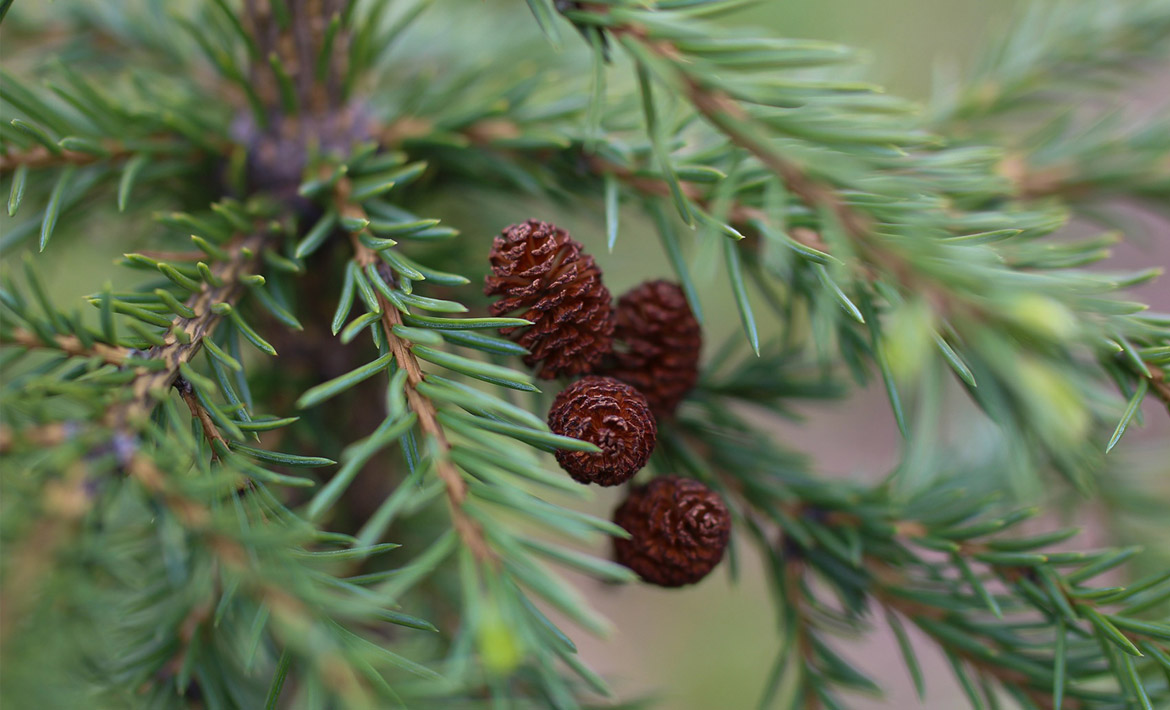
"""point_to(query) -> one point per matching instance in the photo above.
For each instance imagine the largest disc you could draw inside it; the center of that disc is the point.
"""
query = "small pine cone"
(679, 530)
(545, 276)
(662, 340)
(610, 414)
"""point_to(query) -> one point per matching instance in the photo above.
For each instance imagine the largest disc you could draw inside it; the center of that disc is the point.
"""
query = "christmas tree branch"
(725, 114)
(469, 531)
(1050, 90)
(210, 305)
(1045, 62)
(502, 137)
(864, 545)
(291, 615)
(1005, 676)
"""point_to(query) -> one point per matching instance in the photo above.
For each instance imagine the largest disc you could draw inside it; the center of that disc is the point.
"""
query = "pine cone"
(662, 340)
(610, 414)
(679, 530)
(544, 275)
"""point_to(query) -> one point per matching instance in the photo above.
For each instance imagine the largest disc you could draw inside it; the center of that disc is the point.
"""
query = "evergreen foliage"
(188, 518)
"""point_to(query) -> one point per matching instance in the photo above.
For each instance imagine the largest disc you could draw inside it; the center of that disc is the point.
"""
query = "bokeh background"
(711, 646)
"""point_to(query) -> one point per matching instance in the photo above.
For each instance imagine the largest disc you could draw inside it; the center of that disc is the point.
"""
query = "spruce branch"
(505, 138)
(210, 305)
(866, 546)
(1046, 60)
(469, 531)
(290, 614)
(64, 503)
(1052, 91)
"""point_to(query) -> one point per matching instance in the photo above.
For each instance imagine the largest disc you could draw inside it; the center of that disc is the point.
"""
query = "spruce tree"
(295, 457)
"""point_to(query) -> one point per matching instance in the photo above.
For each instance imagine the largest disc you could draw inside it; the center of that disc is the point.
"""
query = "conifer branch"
(469, 531)
(63, 504)
(1002, 674)
(209, 307)
(725, 114)
(291, 614)
(802, 640)
(399, 133)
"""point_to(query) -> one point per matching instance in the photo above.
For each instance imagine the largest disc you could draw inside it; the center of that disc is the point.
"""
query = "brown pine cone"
(545, 276)
(679, 530)
(610, 414)
(659, 341)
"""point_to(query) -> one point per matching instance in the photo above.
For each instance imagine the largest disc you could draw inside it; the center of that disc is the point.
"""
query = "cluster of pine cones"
(639, 361)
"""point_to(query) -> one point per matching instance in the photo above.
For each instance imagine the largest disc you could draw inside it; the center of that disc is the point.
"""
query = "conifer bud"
(612, 415)
(543, 275)
(678, 529)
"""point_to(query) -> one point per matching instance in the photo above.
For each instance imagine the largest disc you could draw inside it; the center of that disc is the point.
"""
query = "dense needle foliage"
(208, 465)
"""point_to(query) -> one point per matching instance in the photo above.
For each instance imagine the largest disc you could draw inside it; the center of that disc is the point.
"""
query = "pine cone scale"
(660, 342)
(679, 530)
(541, 272)
(611, 415)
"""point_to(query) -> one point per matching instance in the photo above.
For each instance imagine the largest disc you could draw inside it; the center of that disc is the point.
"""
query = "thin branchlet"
(148, 385)
(469, 531)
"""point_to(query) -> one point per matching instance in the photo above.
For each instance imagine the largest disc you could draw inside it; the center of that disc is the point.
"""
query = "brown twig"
(71, 344)
(210, 430)
(41, 157)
